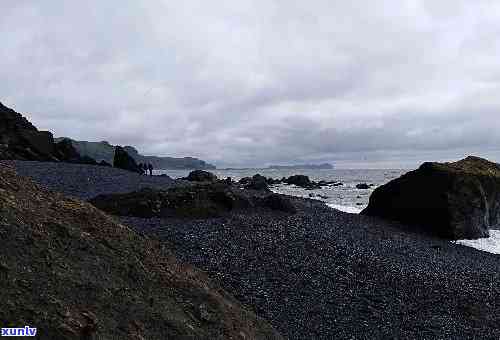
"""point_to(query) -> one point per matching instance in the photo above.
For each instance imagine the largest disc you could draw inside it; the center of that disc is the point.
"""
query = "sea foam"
(345, 208)
(490, 244)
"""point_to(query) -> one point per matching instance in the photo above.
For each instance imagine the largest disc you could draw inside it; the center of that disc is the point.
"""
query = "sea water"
(346, 197)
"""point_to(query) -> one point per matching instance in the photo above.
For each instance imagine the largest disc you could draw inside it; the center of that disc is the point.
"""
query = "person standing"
(150, 168)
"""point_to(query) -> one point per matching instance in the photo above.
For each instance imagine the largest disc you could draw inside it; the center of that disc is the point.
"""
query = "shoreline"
(320, 273)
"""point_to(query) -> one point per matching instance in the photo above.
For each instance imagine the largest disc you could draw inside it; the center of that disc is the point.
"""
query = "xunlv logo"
(26, 331)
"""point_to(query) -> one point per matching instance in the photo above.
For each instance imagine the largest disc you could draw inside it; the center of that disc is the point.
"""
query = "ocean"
(346, 197)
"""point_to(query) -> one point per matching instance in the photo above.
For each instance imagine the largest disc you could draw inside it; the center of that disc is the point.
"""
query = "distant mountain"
(324, 166)
(105, 151)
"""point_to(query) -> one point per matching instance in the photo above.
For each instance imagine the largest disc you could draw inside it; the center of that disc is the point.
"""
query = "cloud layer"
(253, 82)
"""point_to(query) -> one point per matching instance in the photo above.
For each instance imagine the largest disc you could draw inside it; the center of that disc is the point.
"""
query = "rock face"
(200, 201)
(75, 273)
(123, 160)
(257, 182)
(201, 176)
(19, 139)
(458, 200)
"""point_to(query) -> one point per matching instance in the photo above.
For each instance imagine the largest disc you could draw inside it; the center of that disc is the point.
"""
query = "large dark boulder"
(201, 176)
(200, 201)
(458, 200)
(257, 182)
(302, 181)
(123, 160)
(362, 186)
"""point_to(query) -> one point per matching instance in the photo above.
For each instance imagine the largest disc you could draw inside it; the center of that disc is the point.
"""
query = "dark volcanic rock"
(201, 176)
(299, 180)
(123, 160)
(19, 139)
(257, 182)
(362, 186)
(199, 201)
(75, 273)
(458, 200)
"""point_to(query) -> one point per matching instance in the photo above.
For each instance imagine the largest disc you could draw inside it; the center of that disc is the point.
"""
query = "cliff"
(105, 151)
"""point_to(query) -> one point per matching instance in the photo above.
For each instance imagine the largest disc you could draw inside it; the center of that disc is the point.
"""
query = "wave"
(489, 244)
(345, 208)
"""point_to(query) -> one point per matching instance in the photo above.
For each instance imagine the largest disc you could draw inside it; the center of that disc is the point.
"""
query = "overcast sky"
(245, 83)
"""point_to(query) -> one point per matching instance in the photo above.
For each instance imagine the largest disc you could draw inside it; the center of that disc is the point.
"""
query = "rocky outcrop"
(75, 273)
(257, 182)
(200, 201)
(302, 181)
(363, 186)
(458, 200)
(19, 139)
(123, 160)
(201, 176)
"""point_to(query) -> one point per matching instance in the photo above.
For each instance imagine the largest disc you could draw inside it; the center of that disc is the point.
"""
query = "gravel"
(324, 274)
(87, 181)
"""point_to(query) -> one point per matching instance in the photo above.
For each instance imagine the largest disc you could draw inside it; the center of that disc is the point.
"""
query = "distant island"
(324, 166)
(105, 151)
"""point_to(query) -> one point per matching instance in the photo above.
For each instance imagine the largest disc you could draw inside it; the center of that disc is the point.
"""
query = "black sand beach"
(321, 273)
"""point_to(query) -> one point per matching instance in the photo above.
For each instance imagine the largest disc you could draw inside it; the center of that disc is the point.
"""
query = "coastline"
(320, 273)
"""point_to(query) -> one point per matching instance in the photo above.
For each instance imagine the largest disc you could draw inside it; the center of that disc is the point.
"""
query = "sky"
(250, 83)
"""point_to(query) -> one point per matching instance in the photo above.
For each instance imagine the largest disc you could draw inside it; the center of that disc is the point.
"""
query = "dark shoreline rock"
(201, 176)
(458, 200)
(257, 182)
(123, 160)
(192, 202)
(362, 186)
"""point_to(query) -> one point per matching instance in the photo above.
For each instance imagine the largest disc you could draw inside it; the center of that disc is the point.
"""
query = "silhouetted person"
(150, 168)
(145, 168)
(141, 167)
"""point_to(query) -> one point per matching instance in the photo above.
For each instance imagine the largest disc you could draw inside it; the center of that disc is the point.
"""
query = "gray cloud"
(256, 82)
